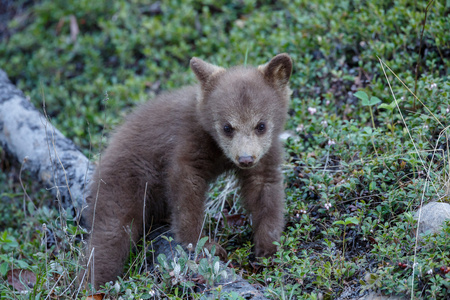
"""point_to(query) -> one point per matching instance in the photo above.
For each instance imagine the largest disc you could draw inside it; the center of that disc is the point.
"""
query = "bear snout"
(246, 161)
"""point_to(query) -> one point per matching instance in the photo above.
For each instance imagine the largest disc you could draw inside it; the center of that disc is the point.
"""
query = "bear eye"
(228, 129)
(261, 127)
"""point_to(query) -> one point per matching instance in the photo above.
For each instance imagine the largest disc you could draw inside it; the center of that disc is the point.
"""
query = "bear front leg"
(263, 198)
(187, 196)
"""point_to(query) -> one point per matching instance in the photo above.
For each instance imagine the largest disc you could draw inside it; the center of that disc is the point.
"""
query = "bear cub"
(170, 149)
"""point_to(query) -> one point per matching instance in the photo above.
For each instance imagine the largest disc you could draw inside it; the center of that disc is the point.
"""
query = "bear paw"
(265, 251)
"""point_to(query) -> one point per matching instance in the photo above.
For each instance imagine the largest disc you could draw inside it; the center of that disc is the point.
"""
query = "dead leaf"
(98, 296)
(311, 154)
(74, 29)
(374, 241)
(21, 279)
(60, 25)
(199, 279)
(353, 207)
(402, 164)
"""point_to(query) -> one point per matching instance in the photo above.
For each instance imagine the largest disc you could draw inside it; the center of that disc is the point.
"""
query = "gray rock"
(432, 217)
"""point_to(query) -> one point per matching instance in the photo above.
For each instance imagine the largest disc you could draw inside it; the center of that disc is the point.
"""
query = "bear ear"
(278, 70)
(203, 70)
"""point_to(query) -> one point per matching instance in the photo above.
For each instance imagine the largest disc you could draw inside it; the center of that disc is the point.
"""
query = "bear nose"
(246, 161)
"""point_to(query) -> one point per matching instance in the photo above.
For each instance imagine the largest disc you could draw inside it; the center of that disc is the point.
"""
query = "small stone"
(432, 217)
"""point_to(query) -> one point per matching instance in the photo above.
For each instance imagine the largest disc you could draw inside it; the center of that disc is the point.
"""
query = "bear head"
(244, 108)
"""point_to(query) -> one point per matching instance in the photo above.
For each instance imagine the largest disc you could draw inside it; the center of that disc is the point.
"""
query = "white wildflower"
(128, 293)
(55, 266)
(312, 110)
(240, 23)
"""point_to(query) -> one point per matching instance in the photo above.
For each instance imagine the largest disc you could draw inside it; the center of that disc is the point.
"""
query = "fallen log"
(54, 160)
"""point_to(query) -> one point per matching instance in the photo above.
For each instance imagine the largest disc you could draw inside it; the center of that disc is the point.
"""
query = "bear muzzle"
(246, 161)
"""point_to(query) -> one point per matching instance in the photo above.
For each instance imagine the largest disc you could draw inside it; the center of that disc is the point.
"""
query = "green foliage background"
(126, 52)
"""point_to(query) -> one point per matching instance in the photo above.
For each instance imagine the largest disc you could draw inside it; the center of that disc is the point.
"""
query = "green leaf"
(352, 220)
(169, 239)
(162, 259)
(192, 266)
(30, 206)
(213, 250)
(8, 242)
(10, 195)
(22, 264)
(372, 185)
(374, 100)
(71, 229)
(368, 130)
(362, 95)
(201, 244)
(390, 106)
(387, 106)
(4, 257)
(3, 268)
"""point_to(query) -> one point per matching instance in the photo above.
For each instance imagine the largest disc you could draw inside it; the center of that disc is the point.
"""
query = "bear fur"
(175, 146)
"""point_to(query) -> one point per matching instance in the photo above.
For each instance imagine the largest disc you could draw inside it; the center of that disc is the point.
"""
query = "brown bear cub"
(174, 146)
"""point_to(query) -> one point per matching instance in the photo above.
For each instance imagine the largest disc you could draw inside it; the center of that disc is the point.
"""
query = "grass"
(355, 169)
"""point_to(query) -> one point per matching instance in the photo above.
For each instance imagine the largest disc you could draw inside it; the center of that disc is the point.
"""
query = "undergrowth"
(368, 138)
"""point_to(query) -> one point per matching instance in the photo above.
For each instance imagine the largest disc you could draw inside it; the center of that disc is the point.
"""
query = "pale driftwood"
(32, 140)
(53, 159)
